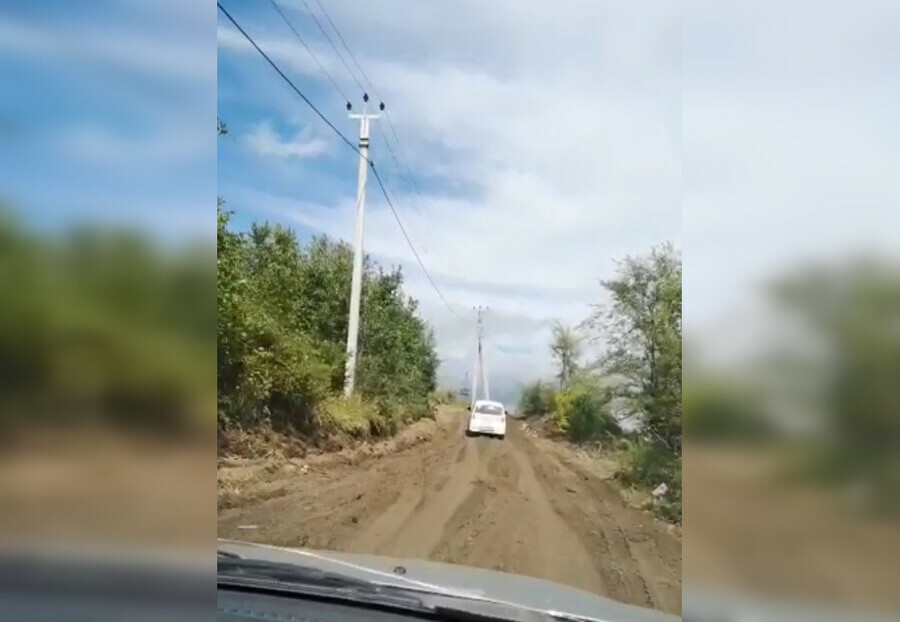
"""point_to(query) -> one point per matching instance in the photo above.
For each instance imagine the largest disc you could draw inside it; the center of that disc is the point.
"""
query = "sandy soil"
(750, 531)
(523, 505)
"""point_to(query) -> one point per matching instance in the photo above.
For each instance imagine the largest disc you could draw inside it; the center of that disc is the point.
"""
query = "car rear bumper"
(490, 430)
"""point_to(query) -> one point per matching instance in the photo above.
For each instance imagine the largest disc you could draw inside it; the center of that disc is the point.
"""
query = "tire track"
(504, 505)
(625, 543)
(408, 527)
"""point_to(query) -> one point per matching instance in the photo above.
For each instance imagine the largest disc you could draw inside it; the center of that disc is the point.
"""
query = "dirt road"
(522, 505)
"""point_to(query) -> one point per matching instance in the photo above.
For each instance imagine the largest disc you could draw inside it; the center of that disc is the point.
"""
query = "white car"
(487, 417)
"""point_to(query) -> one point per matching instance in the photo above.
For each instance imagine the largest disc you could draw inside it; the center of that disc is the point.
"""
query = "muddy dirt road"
(522, 505)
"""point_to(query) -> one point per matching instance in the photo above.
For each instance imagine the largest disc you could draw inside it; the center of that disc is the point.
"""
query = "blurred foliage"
(537, 399)
(104, 326)
(282, 326)
(716, 409)
(826, 389)
(853, 314)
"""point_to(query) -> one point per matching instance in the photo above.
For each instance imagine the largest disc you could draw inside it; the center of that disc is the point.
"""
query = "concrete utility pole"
(481, 365)
(356, 283)
(479, 361)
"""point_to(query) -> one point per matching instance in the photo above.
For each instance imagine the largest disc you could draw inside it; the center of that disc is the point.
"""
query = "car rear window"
(489, 409)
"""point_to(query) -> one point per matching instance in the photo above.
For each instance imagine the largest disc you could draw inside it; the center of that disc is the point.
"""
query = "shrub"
(537, 399)
(351, 416)
(648, 464)
(581, 413)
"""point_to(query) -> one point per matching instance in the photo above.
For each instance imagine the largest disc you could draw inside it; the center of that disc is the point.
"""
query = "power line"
(333, 46)
(341, 91)
(411, 177)
(346, 47)
(325, 71)
(411, 247)
(286, 79)
(408, 168)
(308, 49)
(359, 84)
(351, 145)
(400, 170)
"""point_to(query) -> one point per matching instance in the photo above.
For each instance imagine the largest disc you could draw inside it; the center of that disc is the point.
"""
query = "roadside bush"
(353, 416)
(537, 399)
(581, 413)
(647, 464)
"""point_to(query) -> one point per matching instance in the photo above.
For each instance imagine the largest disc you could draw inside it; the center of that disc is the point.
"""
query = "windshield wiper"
(238, 573)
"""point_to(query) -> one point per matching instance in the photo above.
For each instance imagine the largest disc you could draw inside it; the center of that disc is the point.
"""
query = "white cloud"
(546, 139)
(154, 53)
(555, 131)
(791, 146)
(263, 140)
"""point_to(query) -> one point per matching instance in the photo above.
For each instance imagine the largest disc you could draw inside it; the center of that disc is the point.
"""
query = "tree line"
(104, 327)
(281, 337)
(637, 377)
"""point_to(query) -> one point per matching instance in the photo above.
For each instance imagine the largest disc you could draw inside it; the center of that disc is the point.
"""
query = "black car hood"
(456, 580)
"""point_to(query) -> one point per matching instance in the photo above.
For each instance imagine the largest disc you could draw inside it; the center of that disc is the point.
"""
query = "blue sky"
(548, 140)
(537, 168)
(103, 116)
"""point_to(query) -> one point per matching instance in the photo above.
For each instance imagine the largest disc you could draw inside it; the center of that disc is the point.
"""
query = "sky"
(99, 114)
(544, 141)
(547, 140)
(791, 150)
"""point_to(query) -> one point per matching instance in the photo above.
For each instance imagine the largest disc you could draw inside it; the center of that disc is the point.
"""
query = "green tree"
(282, 329)
(566, 348)
(642, 327)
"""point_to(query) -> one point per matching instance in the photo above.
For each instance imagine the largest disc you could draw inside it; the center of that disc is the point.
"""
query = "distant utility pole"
(356, 283)
(481, 365)
(480, 371)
